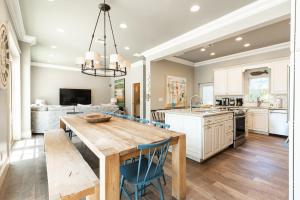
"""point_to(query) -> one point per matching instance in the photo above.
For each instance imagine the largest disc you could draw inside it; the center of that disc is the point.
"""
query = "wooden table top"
(116, 136)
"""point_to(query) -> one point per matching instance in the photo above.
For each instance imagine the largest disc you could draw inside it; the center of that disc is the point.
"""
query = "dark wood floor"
(256, 170)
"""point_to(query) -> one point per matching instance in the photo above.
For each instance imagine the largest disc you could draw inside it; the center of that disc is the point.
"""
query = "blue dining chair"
(145, 171)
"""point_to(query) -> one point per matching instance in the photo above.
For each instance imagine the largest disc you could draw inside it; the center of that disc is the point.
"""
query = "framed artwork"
(4, 57)
(120, 92)
(176, 91)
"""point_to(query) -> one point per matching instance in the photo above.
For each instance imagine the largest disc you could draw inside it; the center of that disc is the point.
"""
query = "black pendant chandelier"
(93, 64)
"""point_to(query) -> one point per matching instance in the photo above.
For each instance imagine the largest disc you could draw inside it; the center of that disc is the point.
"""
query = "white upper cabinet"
(220, 82)
(235, 81)
(279, 77)
(228, 82)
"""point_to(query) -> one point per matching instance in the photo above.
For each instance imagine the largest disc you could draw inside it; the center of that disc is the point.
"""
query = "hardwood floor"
(256, 170)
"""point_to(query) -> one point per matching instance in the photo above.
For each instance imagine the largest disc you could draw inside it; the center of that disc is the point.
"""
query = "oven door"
(239, 127)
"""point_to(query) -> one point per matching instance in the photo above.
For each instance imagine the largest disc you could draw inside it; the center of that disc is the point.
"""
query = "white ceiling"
(265, 36)
(150, 23)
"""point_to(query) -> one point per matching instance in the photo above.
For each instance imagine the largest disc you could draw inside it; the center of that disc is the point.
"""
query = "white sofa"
(45, 118)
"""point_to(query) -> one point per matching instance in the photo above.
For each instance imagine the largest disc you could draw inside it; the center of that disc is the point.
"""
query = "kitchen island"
(208, 131)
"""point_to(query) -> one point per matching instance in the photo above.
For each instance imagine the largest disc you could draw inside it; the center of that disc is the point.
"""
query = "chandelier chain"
(93, 35)
(112, 31)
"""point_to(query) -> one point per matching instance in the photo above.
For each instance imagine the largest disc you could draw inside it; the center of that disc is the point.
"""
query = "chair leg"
(136, 193)
(164, 179)
(121, 186)
(161, 192)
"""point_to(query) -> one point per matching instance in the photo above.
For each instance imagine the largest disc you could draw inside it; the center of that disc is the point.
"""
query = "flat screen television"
(74, 96)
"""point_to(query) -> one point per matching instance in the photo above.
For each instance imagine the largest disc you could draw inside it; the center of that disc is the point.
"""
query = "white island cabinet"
(206, 133)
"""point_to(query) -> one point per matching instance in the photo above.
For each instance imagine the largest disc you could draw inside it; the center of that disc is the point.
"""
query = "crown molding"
(17, 19)
(268, 49)
(52, 66)
(247, 18)
(180, 61)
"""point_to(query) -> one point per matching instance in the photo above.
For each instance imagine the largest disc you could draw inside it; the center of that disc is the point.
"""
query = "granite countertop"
(198, 112)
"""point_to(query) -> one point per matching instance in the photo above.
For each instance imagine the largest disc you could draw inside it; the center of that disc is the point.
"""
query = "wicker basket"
(97, 118)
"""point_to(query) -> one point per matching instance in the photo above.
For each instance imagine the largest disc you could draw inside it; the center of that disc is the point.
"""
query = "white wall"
(46, 82)
(134, 75)
(4, 104)
(294, 119)
(25, 89)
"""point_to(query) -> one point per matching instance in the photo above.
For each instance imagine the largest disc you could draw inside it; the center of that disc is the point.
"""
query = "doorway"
(136, 103)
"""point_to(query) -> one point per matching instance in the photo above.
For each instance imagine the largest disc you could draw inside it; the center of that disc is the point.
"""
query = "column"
(25, 89)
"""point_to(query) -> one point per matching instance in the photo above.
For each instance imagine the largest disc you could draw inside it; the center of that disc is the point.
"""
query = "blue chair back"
(157, 150)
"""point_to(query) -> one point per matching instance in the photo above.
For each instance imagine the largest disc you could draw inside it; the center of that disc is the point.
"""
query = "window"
(258, 87)
(207, 93)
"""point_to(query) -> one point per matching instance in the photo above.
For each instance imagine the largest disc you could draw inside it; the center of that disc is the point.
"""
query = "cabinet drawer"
(229, 117)
(209, 120)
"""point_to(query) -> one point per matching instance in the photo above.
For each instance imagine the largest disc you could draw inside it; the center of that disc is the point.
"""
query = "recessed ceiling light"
(238, 39)
(51, 0)
(195, 8)
(247, 45)
(137, 55)
(60, 30)
(202, 49)
(212, 53)
(53, 47)
(127, 48)
(123, 26)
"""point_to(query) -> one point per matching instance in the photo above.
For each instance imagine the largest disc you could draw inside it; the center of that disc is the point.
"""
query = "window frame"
(201, 85)
(248, 89)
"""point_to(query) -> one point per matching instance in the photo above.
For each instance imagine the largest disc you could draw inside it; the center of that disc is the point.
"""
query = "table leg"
(96, 194)
(110, 177)
(62, 124)
(179, 169)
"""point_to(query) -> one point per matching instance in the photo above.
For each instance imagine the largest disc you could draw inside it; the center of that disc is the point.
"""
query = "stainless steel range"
(239, 127)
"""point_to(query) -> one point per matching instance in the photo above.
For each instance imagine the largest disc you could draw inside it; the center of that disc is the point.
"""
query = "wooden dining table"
(115, 141)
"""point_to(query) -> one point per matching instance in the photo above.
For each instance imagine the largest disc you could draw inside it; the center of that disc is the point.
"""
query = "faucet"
(191, 102)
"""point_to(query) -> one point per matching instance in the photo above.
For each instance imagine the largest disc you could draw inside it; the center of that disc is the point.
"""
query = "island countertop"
(197, 112)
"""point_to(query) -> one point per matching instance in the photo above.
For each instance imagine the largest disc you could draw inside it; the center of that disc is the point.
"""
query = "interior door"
(136, 99)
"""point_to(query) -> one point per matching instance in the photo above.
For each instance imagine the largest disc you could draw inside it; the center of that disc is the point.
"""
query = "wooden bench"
(69, 176)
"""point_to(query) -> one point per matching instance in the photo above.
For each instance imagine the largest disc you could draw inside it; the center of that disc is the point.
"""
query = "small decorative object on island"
(96, 65)
(176, 91)
(97, 118)
(120, 92)
(4, 57)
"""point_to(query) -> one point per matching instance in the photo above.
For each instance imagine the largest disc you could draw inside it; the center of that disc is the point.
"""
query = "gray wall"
(205, 73)
(159, 72)
(46, 82)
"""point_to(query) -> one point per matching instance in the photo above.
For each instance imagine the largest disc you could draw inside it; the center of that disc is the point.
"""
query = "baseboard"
(259, 132)
(26, 134)
(3, 171)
